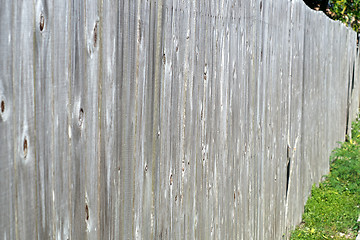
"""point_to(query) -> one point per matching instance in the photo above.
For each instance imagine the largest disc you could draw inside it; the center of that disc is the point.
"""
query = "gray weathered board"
(167, 119)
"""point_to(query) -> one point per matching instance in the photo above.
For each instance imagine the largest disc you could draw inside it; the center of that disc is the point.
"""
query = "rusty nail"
(81, 116)
(95, 34)
(87, 212)
(25, 146)
(42, 22)
(2, 106)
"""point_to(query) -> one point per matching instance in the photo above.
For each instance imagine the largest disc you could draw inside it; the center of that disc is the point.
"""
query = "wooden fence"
(166, 119)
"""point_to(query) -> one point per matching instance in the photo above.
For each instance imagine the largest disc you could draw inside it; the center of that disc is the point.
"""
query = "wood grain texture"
(7, 142)
(167, 119)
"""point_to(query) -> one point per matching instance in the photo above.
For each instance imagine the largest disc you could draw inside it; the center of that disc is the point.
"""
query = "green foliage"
(347, 11)
(333, 208)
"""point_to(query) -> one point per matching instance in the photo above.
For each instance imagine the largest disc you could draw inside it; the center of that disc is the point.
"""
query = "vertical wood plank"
(24, 76)
(63, 116)
(79, 213)
(126, 116)
(110, 169)
(7, 126)
(92, 93)
(45, 121)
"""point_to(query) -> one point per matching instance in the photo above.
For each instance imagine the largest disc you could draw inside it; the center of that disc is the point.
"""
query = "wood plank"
(92, 94)
(79, 113)
(45, 121)
(24, 120)
(63, 130)
(7, 127)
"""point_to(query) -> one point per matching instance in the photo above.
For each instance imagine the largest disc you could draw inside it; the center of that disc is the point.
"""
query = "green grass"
(333, 208)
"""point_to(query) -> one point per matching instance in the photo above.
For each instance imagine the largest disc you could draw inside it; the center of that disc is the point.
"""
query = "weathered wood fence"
(167, 119)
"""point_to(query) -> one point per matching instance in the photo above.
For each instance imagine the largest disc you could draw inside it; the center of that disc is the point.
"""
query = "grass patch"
(333, 208)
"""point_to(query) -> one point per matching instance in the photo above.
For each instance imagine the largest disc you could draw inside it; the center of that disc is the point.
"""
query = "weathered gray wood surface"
(167, 119)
